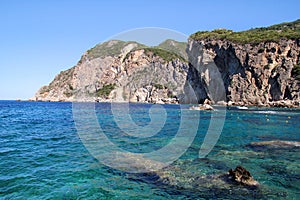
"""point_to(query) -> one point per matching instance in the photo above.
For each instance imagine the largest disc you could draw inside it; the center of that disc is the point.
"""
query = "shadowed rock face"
(258, 74)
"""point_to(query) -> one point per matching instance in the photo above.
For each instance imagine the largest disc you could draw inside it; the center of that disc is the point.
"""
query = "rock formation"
(264, 72)
(238, 183)
(121, 71)
(202, 107)
(242, 176)
(258, 67)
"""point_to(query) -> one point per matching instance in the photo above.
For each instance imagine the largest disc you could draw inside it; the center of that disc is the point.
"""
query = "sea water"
(42, 155)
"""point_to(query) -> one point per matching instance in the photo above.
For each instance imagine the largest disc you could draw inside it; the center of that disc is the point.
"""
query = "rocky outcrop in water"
(202, 107)
(242, 176)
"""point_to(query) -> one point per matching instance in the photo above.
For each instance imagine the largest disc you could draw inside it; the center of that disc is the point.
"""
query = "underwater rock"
(275, 144)
(243, 176)
(237, 182)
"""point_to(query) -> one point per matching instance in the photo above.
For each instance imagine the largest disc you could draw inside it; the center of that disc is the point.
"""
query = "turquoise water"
(42, 156)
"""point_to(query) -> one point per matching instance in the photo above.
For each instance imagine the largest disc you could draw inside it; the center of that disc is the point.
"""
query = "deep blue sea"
(42, 155)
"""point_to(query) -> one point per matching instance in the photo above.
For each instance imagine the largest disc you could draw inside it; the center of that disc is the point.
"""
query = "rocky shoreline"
(205, 106)
(277, 104)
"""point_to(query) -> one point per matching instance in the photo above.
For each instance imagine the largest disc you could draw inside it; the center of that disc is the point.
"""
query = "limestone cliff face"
(260, 74)
(258, 67)
(120, 71)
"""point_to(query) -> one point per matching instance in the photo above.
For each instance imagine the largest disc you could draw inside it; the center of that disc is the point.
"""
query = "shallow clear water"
(43, 157)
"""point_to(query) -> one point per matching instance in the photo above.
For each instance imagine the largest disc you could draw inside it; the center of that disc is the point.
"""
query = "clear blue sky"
(39, 38)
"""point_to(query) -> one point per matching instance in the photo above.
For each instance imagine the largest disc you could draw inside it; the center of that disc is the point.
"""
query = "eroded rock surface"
(259, 74)
(121, 71)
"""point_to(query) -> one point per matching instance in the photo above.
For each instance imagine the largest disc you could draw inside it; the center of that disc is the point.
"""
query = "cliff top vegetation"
(167, 50)
(274, 33)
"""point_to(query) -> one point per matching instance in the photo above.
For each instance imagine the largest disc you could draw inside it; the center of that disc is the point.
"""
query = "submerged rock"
(274, 144)
(237, 182)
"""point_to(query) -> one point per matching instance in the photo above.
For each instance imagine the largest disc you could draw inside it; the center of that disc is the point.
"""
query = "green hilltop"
(174, 46)
(274, 33)
(110, 48)
(167, 50)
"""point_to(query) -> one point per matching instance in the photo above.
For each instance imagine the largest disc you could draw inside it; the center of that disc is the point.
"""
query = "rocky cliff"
(122, 71)
(257, 67)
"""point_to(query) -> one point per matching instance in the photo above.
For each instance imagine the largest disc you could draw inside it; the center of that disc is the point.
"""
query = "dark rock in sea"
(242, 176)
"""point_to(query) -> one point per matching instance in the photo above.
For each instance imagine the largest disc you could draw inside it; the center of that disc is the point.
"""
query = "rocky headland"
(121, 71)
(258, 67)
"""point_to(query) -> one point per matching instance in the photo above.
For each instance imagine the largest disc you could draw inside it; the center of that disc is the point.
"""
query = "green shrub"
(44, 89)
(176, 47)
(171, 95)
(71, 87)
(68, 94)
(109, 48)
(164, 54)
(105, 90)
(296, 71)
(159, 86)
(267, 67)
